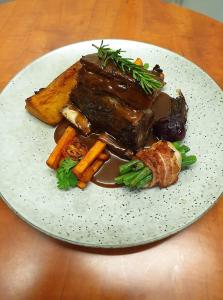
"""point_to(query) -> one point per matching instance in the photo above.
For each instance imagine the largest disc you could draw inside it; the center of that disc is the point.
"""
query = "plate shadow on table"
(113, 251)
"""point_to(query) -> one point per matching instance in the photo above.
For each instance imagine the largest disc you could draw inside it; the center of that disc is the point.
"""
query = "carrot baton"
(81, 184)
(90, 171)
(55, 156)
(104, 156)
(87, 160)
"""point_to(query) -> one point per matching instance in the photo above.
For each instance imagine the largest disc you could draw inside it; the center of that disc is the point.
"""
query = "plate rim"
(107, 246)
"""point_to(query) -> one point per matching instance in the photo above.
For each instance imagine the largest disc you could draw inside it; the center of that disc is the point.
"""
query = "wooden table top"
(188, 265)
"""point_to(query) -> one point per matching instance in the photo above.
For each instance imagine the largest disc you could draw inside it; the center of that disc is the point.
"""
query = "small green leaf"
(72, 179)
(64, 174)
(68, 163)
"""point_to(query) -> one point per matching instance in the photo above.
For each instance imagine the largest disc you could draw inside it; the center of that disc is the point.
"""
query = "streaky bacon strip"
(162, 166)
(151, 163)
(176, 163)
(168, 156)
(158, 164)
(163, 162)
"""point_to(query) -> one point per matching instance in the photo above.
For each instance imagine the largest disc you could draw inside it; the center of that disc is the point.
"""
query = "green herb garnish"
(65, 177)
(145, 79)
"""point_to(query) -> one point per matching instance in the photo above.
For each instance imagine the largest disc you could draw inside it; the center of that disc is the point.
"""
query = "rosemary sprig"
(145, 79)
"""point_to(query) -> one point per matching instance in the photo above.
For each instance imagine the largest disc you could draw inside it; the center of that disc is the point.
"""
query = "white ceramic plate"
(101, 217)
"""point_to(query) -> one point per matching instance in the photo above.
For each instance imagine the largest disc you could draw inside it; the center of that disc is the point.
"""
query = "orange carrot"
(138, 62)
(55, 156)
(90, 171)
(104, 156)
(81, 184)
(87, 160)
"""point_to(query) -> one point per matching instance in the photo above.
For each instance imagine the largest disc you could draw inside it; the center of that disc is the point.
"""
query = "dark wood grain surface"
(186, 266)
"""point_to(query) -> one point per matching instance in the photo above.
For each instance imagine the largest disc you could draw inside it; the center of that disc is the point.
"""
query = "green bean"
(125, 168)
(188, 160)
(142, 173)
(138, 166)
(129, 178)
(184, 149)
(177, 145)
(144, 181)
(119, 179)
(122, 178)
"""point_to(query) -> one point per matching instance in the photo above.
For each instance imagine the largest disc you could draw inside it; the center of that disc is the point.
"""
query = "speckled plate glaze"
(101, 217)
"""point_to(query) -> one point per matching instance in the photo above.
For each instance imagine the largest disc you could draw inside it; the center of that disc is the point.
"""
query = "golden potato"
(46, 104)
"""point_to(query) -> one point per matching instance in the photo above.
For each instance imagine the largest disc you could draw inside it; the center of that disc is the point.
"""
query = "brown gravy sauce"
(162, 106)
(105, 176)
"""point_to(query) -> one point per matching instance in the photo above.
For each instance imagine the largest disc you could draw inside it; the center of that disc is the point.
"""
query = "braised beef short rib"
(114, 102)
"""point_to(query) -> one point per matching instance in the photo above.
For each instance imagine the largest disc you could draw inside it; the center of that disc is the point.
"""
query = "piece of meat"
(115, 147)
(164, 161)
(175, 163)
(166, 154)
(107, 114)
(113, 102)
(166, 106)
(111, 80)
(147, 157)
(170, 116)
(72, 114)
(179, 107)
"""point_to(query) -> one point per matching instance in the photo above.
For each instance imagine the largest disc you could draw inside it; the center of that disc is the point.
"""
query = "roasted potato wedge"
(48, 102)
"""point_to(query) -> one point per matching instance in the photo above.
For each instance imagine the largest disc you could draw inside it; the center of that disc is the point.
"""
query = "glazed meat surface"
(114, 102)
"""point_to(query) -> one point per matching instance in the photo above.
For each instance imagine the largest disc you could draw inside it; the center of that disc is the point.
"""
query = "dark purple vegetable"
(170, 129)
(173, 127)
